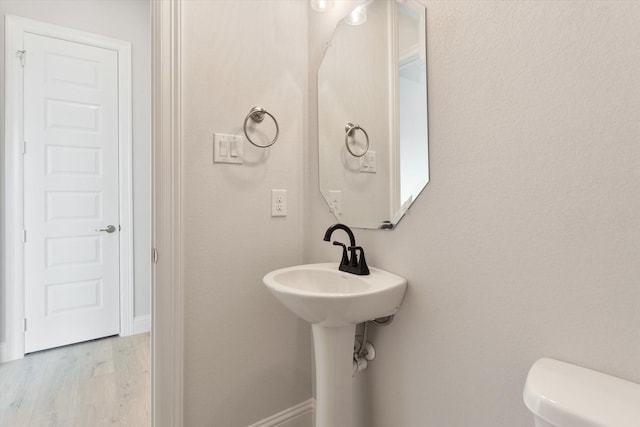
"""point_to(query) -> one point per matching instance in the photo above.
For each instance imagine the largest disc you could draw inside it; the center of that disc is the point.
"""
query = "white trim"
(3, 351)
(141, 324)
(289, 414)
(167, 292)
(14, 256)
(125, 162)
(14, 115)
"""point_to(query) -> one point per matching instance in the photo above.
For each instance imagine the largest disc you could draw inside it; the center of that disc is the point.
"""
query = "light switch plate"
(368, 162)
(227, 148)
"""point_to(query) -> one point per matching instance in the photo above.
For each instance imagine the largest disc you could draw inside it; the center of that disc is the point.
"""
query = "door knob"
(109, 229)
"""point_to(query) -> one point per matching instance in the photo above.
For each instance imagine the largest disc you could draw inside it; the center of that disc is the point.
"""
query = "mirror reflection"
(372, 114)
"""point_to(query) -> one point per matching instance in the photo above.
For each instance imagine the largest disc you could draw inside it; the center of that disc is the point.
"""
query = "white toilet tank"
(564, 395)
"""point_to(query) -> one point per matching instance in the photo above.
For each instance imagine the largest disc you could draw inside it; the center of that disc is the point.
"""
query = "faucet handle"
(345, 258)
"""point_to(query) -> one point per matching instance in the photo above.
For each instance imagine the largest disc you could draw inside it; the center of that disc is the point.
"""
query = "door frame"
(167, 308)
(15, 28)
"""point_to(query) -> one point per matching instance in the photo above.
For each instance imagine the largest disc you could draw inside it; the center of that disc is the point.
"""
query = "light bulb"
(358, 16)
(321, 5)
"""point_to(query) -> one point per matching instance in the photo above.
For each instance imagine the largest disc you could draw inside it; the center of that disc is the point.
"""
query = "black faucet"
(350, 264)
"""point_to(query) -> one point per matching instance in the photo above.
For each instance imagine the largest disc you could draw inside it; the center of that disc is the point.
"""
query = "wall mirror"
(372, 114)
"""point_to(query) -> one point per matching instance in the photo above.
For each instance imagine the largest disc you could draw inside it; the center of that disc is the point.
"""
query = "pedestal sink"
(334, 302)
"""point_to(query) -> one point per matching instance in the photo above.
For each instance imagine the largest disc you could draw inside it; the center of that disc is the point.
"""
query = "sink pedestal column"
(334, 362)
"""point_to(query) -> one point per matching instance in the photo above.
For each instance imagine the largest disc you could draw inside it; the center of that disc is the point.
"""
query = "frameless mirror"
(372, 114)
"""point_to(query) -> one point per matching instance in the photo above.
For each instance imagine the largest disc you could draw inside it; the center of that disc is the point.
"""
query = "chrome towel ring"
(350, 129)
(256, 114)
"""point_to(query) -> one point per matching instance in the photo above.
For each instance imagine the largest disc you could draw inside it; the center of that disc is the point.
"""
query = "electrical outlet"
(278, 202)
(335, 203)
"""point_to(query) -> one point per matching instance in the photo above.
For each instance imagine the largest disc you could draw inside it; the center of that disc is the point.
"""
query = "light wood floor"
(104, 382)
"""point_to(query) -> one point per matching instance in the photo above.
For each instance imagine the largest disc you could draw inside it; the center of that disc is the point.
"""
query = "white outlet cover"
(278, 202)
(335, 202)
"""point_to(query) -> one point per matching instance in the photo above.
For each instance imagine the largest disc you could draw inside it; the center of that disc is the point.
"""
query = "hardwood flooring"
(105, 382)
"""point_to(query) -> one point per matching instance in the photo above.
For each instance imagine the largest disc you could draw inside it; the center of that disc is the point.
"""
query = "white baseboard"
(281, 419)
(6, 354)
(141, 324)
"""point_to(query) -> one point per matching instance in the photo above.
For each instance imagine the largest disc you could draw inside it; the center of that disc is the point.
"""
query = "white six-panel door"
(70, 192)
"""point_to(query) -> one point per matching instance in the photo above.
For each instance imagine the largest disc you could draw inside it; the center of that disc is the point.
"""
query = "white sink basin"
(323, 295)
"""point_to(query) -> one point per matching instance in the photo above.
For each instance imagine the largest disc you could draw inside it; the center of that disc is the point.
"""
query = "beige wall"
(526, 241)
(246, 356)
(125, 20)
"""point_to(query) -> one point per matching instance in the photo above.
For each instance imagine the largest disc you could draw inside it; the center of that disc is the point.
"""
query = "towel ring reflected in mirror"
(350, 130)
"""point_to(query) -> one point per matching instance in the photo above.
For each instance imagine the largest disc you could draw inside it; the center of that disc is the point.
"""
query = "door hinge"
(24, 147)
(21, 54)
(25, 324)
(154, 255)
(24, 236)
